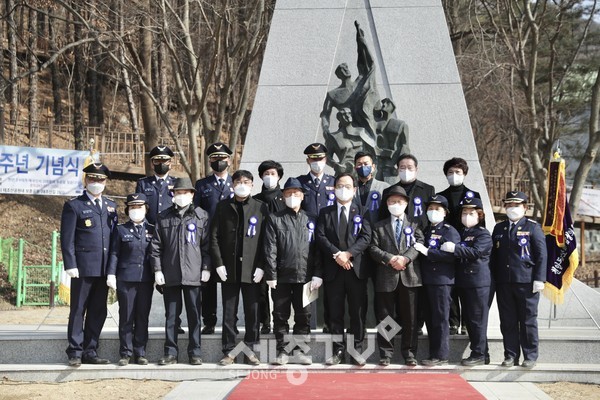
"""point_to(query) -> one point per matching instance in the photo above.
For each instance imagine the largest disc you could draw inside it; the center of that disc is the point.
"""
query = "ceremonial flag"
(561, 245)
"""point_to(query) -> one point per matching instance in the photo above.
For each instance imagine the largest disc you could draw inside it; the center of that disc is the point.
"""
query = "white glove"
(538, 286)
(315, 283)
(258, 275)
(159, 278)
(222, 272)
(111, 282)
(73, 272)
(448, 247)
(421, 248)
(205, 275)
(272, 284)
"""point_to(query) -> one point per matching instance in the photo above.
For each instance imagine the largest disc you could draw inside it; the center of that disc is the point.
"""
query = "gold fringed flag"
(563, 258)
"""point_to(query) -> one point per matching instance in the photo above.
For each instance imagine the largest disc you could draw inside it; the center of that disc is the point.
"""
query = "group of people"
(420, 250)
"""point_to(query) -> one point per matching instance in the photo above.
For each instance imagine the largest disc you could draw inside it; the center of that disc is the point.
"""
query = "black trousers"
(437, 326)
(401, 305)
(285, 296)
(346, 287)
(135, 300)
(476, 311)
(456, 315)
(264, 306)
(192, 297)
(231, 299)
(518, 308)
(209, 302)
(86, 316)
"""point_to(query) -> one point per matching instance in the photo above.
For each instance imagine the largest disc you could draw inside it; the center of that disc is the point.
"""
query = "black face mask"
(219, 165)
(161, 168)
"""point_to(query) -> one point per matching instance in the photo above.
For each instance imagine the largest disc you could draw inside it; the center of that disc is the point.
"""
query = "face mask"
(270, 181)
(515, 213)
(242, 190)
(364, 171)
(219, 165)
(137, 214)
(183, 200)
(161, 169)
(344, 194)
(317, 166)
(455, 179)
(397, 209)
(435, 216)
(469, 220)
(407, 176)
(293, 201)
(95, 188)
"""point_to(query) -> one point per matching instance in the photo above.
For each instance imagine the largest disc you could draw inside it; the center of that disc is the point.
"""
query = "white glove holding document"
(315, 283)
(538, 286)
(205, 275)
(159, 278)
(111, 281)
(272, 284)
(73, 272)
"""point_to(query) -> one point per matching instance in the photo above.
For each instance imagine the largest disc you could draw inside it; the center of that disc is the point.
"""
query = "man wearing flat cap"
(210, 191)
(518, 265)
(158, 187)
(181, 262)
(86, 227)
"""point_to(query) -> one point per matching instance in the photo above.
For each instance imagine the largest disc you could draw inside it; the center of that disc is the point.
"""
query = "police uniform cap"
(395, 190)
(136, 198)
(184, 183)
(161, 153)
(471, 203)
(270, 164)
(293, 183)
(218, 149)
(438, 199)
(315, 150)
(515, 197)
(95, 170)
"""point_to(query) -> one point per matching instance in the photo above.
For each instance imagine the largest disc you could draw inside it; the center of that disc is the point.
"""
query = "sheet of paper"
(308, 296)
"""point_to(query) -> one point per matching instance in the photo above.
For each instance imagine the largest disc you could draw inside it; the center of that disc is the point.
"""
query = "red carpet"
(267, 385)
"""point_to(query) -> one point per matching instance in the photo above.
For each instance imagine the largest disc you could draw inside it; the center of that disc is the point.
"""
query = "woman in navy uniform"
(518, 265)
(473, 278)
(86, 226)
(130, 274)
(437, 272)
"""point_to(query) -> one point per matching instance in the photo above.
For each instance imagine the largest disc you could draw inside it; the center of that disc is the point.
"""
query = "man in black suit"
(343, 234)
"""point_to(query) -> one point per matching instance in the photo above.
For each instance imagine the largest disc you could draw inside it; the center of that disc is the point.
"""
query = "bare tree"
(33, 78)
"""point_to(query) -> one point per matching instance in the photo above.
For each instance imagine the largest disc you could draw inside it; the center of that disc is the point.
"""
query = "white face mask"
(455, 179)
(242, 190)
(344, 194)
(435, 216)
(293, 201)
(95, 188)
(469, 220)
(407, 176)
(317, 167)
(183, 200)
(137, 214)
(515, 213)
(270, 181)
(397, 209)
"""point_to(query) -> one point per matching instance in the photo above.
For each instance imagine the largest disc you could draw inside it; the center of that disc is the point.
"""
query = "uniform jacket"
(474, 257)
(159, 196)
(224, 236)
(180, 244)
(374, 199)
(455, 209)
(421, 190)
(130, 253)
(439, 267)
(317, 198)
(510, 263)
(290, 247)
(85, 235)
(384, 247)
(208, 193)
(328, 240)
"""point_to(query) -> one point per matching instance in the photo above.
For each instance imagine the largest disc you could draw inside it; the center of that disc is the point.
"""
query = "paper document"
(308, 296)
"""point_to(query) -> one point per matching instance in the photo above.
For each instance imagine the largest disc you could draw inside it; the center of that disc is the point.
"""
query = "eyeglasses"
(349, 187)
(242, 182)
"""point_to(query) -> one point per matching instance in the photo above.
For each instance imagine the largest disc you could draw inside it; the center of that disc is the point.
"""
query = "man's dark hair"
(343, 174)
(270, 164)
(362, 154)
(242, 173)
(405, 156)
(456, 162)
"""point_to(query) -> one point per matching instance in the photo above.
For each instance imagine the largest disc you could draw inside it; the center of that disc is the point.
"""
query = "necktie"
(317, 182)
(161, 181)
(511, 229)
(139, 229)
(343, 228)
(221, 184)
(398, 231)
(98, 206)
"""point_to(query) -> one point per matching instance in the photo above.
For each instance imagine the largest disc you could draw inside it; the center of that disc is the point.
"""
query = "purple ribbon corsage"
(357, 224)
(190, 237)
(330, 198)
(418, 207)
(524, 243)
(252, 226)
(311, 230)
(410, 239)
(375, 197)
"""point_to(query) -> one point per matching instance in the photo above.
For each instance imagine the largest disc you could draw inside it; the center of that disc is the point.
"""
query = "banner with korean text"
(34, 170)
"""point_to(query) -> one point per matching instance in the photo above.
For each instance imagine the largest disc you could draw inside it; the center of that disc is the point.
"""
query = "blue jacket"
(130, 253)
(474, 254)
(317, 198)
(512, 262)
(439, 267)
(85, 235)
(208, 193)
(159, 196)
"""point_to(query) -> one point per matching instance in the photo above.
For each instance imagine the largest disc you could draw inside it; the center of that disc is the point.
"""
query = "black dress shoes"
(95, 360)
(266, 329)
(123, 361)
(141, 360)
(167, 360)
(472, 361)
(385, 361)
(74, 362)
(195, 360)
(180, 330)
(335, 359)
(410, 362)
(528, 364)
(508, 362)
(208, 330)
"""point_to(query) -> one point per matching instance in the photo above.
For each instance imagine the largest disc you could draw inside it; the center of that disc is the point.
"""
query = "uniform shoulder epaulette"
(109, 199)
(531, 220)
(447, 225)
(142, 178)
